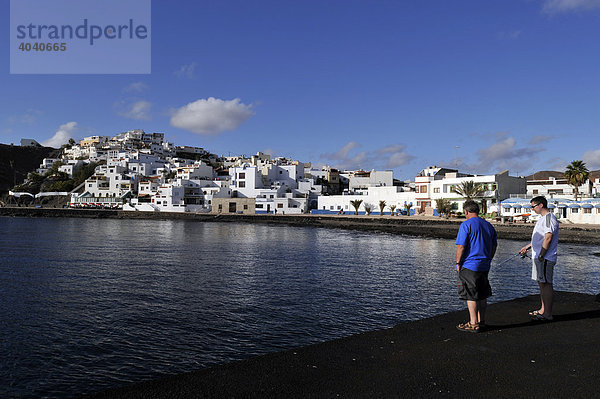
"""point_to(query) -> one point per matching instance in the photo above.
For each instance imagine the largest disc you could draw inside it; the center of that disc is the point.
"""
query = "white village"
(141, 172)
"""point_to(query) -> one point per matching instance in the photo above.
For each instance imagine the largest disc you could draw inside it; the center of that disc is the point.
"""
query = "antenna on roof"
(456, 156)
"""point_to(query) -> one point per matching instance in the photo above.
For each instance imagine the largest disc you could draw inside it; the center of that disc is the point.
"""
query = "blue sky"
(481, 85)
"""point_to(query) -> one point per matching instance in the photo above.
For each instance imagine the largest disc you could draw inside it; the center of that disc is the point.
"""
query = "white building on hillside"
(374, 178)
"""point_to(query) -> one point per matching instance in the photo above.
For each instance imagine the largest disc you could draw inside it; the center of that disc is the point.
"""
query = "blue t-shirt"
(478, 237)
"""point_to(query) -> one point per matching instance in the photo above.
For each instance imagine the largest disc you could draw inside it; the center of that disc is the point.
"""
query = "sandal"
(468, 327)
(540, 317)
(534, 313)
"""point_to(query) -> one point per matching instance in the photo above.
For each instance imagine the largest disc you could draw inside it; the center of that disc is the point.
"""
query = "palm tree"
(576, 174)
(382, 205)
(443, 206)
(408, 206)
(392, 208)
(368, 208)
(356, 204)
(469, 190)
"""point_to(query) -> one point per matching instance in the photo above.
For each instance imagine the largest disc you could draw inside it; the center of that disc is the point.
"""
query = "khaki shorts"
(542, 271)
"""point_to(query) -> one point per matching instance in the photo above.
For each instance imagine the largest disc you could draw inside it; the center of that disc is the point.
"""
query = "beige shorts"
(542, 271)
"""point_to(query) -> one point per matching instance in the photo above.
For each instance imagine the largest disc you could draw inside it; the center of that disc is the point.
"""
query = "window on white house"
(574, 210)
(587, 210)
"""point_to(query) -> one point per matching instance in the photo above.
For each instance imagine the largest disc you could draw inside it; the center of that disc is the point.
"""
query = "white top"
(546, 224)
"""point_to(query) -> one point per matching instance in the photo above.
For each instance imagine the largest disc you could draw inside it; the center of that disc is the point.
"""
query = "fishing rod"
(523, 256)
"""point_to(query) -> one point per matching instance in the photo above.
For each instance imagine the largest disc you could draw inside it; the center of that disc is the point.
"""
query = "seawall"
(433, 227)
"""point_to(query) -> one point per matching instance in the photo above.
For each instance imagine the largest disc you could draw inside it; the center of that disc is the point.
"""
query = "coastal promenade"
(422, 226)
(513, 358)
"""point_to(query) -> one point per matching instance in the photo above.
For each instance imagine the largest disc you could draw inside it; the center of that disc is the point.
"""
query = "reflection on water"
(92, 304)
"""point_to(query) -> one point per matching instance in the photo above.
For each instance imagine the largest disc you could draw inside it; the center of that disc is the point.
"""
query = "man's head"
(471, 207)
(538, 203)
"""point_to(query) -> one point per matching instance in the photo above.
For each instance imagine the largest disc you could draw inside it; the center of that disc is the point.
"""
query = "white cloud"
(187, 71)
(509, 35)
(139, 110)
(504, 154)
(62, 135)
(592, 159)
(540, 139)
(388, 157)
(211, 116)
(396, 155)
(28, 118)
(135, 87)
(559, 6)
(342, 153)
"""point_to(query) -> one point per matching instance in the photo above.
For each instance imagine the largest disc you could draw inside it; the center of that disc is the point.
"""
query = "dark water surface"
(87, 304)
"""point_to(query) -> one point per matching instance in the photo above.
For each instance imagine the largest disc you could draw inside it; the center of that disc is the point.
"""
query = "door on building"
(232, 207)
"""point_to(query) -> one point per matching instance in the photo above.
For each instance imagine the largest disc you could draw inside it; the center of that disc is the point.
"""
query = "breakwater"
(432, 227)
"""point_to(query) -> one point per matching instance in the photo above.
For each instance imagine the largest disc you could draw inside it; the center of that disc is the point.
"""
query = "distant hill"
(16, 162)
(545, 174)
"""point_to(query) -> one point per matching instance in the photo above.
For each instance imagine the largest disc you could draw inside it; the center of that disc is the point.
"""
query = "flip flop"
(534, 313)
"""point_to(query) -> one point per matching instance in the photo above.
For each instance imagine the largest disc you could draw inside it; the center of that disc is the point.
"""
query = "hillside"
(545, 174)
(16, 162)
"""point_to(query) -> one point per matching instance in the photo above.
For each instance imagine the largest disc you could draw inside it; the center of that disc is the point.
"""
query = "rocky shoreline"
(431, 227)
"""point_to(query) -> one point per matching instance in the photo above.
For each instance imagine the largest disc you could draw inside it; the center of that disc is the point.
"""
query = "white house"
(393, 196)
(557, 186)
(566, 211)
(46, 165)
(436, 183)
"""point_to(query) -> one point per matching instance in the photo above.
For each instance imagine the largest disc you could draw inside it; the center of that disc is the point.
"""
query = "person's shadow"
(558, 318)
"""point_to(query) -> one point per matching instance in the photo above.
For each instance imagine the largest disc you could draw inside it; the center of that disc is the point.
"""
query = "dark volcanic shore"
(513, 358)
(433, 227)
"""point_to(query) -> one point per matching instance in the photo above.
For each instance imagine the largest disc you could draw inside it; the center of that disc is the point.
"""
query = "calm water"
(87, 305)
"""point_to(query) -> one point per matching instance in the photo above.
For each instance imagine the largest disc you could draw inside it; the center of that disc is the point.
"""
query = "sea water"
(91, 304)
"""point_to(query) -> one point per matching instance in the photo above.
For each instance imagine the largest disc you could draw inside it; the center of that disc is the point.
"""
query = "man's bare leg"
(547, 299)
(473, 307)
(481, 307)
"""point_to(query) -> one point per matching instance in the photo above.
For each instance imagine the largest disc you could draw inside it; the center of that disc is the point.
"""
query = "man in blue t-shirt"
(476, 245)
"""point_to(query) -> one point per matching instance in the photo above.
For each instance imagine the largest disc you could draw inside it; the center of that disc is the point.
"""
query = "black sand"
(514, 358)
